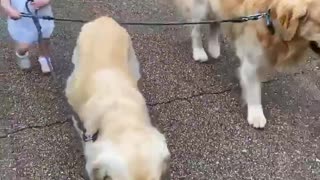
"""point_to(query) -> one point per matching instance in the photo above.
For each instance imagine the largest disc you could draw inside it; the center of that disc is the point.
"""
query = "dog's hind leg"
(199, 12)
(213, 41)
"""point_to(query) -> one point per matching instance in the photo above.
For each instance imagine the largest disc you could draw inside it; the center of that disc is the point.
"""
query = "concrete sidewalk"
(197, 106)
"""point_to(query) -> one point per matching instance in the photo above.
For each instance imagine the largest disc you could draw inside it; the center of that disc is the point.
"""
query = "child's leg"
(22, 53)
(47, 28)
(44, 55)
(22, 48)
(44, 48)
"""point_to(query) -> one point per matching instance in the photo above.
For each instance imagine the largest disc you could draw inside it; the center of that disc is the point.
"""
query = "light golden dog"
(103, 91)
(296, 23)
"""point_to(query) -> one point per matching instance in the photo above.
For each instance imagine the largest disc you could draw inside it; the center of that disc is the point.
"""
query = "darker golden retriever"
(296, 23)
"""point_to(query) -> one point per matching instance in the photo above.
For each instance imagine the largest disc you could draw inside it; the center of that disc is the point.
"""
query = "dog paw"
(214, 49)
(256, 117)
(200, 55)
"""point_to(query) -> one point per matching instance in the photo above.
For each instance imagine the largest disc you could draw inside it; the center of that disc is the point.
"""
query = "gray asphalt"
(197, 106)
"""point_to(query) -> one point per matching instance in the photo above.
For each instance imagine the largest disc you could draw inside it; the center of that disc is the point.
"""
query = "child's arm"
(11, 12)
(5, 4)
(40, 3)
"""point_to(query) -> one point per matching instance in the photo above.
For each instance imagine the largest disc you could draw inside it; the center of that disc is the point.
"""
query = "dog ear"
(289, 15)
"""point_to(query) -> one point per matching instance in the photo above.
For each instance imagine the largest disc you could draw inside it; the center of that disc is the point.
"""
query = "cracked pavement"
(197, 106)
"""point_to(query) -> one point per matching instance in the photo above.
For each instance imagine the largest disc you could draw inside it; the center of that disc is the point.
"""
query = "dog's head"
(133, 157)
(298, 18)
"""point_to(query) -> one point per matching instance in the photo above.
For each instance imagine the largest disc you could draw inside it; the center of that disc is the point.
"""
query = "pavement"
(197, 106)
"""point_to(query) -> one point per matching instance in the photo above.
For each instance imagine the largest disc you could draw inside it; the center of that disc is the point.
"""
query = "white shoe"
(23, 61)
(45, 64)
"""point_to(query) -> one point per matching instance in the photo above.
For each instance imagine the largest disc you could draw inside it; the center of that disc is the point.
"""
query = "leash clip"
(269, 22)
(87, 138)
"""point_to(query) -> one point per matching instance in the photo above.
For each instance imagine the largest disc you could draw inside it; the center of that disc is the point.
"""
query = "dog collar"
(312, 44)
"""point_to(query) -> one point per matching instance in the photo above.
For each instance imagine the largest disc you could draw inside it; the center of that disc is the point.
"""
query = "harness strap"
(35, 18)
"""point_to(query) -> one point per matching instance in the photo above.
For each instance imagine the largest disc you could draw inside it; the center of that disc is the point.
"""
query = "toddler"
(24, 32)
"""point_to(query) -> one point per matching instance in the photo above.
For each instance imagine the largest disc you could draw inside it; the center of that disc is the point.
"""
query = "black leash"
(35, 18)
(79, 124)
(265, 15)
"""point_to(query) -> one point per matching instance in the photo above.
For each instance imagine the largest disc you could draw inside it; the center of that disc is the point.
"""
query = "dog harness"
(85, 137)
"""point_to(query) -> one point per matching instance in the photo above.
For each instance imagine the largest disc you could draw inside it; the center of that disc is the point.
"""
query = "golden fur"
(296, 22)
(103, 91)
(292, 23)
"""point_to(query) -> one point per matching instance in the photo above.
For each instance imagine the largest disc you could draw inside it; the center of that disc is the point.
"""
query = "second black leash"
(265, 15)
(34, 16)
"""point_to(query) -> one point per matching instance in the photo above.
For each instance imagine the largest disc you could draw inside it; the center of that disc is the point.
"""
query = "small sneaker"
(23, 61)
(45, 64)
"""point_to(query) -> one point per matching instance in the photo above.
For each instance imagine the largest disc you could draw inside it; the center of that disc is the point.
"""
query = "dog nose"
(315, 47)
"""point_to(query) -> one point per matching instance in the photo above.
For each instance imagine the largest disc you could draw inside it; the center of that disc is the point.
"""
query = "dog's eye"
(106, 177)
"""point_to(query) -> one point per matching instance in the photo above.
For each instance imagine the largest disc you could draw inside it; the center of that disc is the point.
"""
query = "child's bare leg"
(22, 48)
(44, 48)
(44, 56)
(22, 53)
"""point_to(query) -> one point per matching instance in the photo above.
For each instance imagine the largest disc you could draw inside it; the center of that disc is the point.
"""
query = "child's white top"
(24, 30)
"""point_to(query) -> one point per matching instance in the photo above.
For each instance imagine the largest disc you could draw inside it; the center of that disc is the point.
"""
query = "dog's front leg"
(251, 89)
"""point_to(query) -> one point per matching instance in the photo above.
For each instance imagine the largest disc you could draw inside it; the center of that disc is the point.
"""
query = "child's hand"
(10, 11)
(13, 14)
(37, 4)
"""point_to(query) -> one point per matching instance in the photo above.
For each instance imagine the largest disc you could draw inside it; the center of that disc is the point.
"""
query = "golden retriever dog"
(296, 23)
(103, 92)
